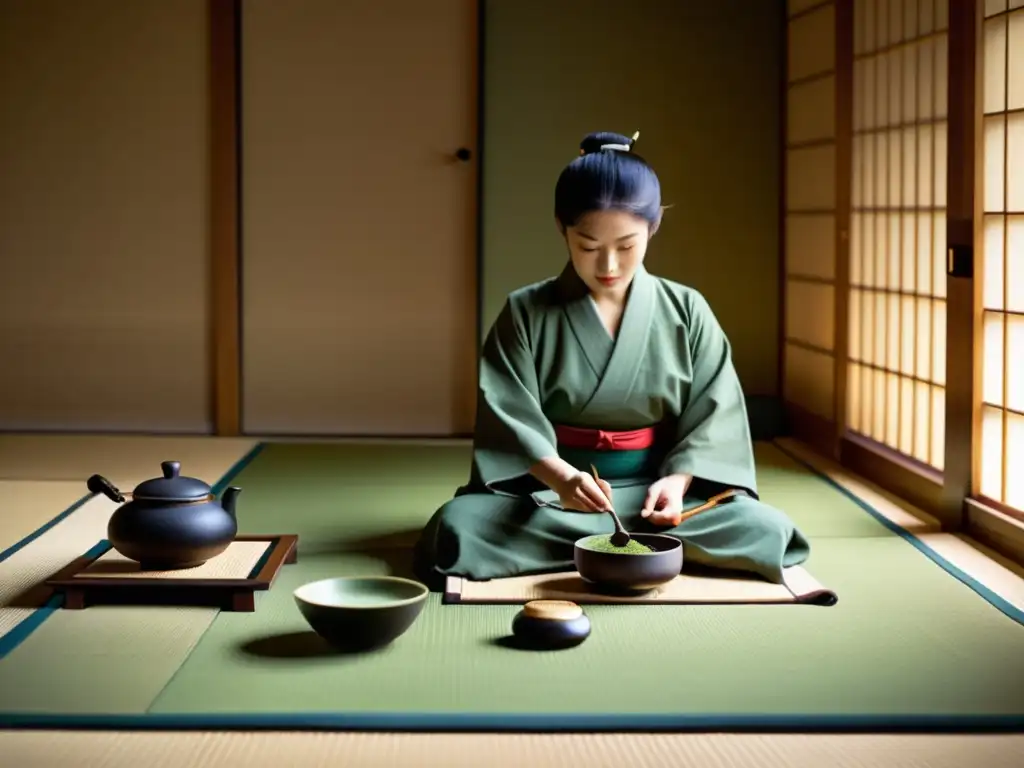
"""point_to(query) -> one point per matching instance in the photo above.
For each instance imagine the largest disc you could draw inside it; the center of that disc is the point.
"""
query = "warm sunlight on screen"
(809, 364)
(897, 308)
(1002, 375)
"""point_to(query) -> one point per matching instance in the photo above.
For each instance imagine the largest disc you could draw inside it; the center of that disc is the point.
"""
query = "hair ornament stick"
(621, 147)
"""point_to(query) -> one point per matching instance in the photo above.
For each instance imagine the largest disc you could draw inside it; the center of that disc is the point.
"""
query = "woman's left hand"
(664, 503)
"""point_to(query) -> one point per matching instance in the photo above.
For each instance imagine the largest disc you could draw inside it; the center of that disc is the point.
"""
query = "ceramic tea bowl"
(620, 572)
(361, 613)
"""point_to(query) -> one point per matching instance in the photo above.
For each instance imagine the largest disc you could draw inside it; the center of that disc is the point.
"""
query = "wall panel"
(713, 142)
(104, 322)
(358, 222)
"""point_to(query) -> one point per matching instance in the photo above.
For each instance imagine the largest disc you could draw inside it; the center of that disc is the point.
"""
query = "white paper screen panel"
(1002, 374)
(810, 245)
(811, 110)
(897, 311)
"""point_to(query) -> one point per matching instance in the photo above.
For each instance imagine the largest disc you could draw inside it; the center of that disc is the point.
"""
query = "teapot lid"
(172, 486)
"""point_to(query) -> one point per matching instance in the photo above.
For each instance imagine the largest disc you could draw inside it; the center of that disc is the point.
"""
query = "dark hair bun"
(607, 175)
(593, 142)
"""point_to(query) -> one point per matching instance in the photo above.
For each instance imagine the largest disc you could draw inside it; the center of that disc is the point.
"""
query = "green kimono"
(549, 360)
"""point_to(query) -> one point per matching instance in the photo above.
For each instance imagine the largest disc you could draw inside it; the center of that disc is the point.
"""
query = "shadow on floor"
(396, 550)
(33, 597)
(295, 646)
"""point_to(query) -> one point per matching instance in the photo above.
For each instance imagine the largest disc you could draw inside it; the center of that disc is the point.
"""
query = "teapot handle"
(99, 484)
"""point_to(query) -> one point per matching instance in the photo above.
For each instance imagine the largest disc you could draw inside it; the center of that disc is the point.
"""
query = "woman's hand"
(581, 492)
(576, 490)
(664, 502)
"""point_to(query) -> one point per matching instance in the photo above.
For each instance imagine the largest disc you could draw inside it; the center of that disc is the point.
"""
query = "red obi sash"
(605, 440)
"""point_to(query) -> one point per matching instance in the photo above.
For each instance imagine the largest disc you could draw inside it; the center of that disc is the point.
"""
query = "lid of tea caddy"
(172, 486)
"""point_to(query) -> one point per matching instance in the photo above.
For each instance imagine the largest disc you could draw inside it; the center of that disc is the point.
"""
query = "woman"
(606, 365)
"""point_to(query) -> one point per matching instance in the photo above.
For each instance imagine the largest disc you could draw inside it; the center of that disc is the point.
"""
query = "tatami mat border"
(995, 600)
(443, 722)
(43, 528)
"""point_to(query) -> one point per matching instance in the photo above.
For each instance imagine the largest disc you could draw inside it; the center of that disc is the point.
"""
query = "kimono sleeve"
(712, 438)
(512, 432)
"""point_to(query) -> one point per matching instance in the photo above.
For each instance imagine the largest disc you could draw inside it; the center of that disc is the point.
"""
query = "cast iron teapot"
(171, 522)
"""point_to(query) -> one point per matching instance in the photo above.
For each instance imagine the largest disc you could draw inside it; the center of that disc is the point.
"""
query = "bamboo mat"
(235, 562)
(799, 586)
(40, 749)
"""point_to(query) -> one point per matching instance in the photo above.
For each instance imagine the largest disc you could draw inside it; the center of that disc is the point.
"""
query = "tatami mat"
(125, 460)
(350, 521)
(27, 505)
(24, 570)
(402, 750)
(1001, 576)
(900, 512)
(104, 658)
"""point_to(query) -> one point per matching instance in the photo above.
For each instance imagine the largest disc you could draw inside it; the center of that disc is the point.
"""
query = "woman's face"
(606, 248)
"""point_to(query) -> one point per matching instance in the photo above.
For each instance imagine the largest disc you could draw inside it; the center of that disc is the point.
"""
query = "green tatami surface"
(905, 639)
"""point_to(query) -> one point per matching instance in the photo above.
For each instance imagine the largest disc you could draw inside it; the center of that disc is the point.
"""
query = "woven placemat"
(799, 587)
(235, 562)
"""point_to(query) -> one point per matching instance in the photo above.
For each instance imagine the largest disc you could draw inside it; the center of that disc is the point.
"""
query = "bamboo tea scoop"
(620, 538)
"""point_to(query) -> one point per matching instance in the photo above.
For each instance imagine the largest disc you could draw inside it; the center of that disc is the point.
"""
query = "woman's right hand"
(582, 493)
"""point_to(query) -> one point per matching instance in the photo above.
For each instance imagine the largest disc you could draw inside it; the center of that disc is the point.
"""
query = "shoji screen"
(810, 199)
(897, 310)
(1002, 429)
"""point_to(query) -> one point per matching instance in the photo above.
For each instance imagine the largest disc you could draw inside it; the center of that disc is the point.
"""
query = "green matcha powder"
(604, 544)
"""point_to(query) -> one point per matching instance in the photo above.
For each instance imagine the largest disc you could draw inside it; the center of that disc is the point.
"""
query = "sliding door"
(809, 356)
(359, 286)
(929, 127)
(1002, 396)
(896, 373)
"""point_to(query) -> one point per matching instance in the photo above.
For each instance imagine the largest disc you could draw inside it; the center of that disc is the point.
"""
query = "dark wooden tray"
(82, 585)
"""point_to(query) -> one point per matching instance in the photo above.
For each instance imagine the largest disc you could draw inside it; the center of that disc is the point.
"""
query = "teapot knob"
(170, 468)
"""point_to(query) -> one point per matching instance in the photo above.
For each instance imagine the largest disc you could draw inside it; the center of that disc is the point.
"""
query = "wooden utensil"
(620, 538)
(714, 501)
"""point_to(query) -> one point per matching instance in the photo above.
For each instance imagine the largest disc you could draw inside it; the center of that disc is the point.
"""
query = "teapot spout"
(227, 501)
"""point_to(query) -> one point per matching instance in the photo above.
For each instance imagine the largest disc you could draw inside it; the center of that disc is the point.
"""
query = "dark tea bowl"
(622, 573)
(361, 613)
